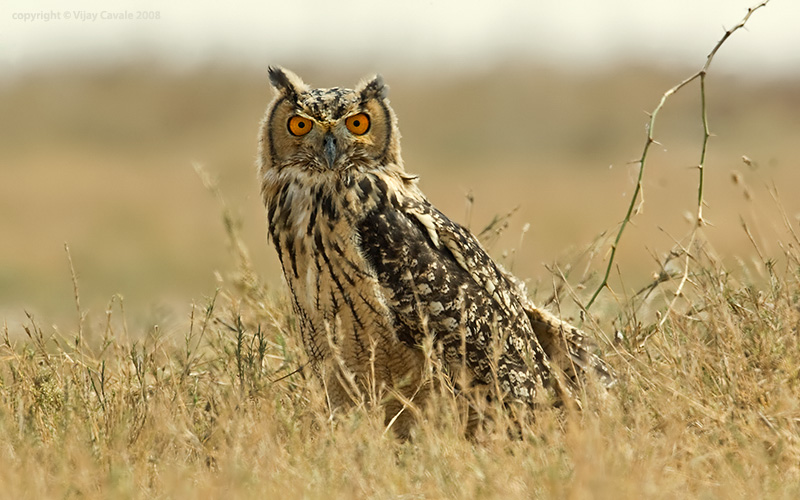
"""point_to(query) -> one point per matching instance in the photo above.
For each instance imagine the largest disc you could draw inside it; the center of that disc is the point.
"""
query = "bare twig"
(635, 203)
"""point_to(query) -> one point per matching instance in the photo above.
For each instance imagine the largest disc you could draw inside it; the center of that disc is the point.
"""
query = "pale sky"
(451, 34)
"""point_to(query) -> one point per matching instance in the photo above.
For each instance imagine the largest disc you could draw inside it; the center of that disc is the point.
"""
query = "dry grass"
(706, 406)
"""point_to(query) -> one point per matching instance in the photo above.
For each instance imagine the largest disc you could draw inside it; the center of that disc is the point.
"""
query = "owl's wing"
(439, 281)
(564, 344)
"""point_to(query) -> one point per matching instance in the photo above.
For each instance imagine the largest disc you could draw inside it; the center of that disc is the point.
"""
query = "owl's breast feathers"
(370, 261)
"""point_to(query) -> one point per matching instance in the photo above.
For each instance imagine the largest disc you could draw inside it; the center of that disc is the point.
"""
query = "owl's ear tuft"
(286, 82)
(374, 88)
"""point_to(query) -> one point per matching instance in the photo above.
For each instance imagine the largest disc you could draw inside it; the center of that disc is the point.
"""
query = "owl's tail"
(568, 348)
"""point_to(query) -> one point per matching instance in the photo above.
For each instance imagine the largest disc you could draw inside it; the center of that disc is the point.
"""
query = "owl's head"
(327, 130)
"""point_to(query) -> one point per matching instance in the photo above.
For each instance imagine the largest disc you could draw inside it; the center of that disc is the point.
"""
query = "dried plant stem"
(638, 198)
(79, 339)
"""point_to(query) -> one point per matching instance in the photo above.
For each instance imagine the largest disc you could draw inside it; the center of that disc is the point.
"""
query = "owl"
(381, 281)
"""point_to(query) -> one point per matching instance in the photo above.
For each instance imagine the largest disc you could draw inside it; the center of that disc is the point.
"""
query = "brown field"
(157, 393)
(102, 160)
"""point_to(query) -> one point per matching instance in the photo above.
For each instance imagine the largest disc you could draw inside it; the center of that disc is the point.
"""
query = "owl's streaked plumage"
(375, 270)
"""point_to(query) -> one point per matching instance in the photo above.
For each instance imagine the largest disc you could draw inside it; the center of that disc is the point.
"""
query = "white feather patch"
(430, 226)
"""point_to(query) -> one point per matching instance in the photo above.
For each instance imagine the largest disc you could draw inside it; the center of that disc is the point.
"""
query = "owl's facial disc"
(328, 129)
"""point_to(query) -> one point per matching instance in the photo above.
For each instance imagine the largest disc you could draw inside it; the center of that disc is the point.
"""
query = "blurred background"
(534, 106)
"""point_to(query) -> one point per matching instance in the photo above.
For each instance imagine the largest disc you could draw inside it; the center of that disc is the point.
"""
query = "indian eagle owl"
(375, 270)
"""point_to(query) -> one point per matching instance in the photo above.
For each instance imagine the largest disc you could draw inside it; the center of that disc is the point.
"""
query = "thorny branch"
(635, 203)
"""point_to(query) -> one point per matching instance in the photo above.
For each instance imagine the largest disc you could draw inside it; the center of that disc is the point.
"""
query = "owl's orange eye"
(299, 126)
(358, 124)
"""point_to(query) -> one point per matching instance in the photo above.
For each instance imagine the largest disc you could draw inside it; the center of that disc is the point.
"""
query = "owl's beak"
(329, 149)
